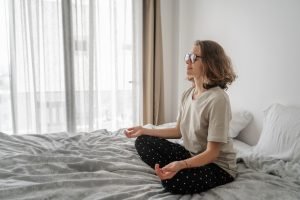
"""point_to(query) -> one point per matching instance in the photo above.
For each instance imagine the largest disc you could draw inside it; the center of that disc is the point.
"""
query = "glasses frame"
(191, 57)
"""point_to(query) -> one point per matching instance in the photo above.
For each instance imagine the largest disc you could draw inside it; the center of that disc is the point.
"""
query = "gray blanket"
(105, 165)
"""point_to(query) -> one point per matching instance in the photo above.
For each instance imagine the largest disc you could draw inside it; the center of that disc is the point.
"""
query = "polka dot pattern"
(153, 150)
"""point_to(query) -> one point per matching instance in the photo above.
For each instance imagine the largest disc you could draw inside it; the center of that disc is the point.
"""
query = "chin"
(189, 74)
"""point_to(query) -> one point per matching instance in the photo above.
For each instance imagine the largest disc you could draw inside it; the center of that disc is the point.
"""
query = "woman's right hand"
(134, 131)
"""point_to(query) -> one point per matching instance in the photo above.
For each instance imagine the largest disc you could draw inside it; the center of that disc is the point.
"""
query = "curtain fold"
(153, 111)
(69, 65)
(68, 49)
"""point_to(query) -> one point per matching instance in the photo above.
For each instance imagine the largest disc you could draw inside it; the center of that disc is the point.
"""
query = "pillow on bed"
(280, 136)
(240, 119)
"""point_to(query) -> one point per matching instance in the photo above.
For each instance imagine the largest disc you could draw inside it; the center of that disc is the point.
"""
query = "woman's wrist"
(185, 164)
(143, 130)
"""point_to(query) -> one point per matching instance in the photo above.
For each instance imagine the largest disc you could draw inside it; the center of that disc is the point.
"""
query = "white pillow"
(280, 137)
(240, 119)
(241, 147)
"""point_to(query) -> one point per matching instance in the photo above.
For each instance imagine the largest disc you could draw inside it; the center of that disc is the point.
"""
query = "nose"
(188, 65)
(188, 62)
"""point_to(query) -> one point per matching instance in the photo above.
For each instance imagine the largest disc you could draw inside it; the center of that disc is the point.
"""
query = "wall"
(262, 39)
(170, 24)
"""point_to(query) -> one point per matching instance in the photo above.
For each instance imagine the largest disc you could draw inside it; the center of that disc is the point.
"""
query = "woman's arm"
(169, 133)
(208, 156)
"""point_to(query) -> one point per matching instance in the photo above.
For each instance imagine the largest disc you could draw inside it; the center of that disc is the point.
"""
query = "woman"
(206, 159)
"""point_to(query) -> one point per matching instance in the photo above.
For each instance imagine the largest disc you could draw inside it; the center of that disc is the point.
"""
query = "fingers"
(130, 132)
(171, 167)
(167, 169)
(130, 129)
(133, 132)
(163, 173)
(132, 135)
(158, 171)
(127, 134)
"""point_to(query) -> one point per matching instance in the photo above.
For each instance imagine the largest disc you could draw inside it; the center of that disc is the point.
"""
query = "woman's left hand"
(168, 171)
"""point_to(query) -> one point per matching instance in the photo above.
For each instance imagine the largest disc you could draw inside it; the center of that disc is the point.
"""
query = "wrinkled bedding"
(105, 165)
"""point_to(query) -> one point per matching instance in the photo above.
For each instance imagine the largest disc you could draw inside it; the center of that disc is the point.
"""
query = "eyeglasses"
(191, 57)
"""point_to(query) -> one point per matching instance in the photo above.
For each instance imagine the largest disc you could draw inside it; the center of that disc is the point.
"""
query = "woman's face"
(194, 70)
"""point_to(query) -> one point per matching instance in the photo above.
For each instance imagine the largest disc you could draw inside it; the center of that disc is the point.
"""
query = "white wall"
(262, 37)
(170, 50)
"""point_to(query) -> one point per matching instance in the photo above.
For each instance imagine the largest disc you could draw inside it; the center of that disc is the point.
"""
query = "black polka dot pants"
(154, 150)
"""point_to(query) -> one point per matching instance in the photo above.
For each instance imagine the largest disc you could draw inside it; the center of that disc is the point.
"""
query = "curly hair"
(217, 67)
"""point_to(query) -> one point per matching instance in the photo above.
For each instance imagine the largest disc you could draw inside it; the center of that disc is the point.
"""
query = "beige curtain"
(152, 64)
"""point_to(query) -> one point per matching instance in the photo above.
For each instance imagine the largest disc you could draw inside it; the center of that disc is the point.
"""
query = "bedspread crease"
(105, 165)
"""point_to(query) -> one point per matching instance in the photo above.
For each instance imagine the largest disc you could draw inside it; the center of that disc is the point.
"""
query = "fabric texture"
(104, 165)
(240, 119)
(241, 147)
(280, 135)
(206, 119)
(154, 150)
(153, 99)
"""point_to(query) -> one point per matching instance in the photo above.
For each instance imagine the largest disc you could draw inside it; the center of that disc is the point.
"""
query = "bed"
(104, 165)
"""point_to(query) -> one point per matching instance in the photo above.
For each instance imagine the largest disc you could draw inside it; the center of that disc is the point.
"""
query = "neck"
(199, 89)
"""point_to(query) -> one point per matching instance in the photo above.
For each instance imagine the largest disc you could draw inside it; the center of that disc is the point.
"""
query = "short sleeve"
(178, 119)
(219, 119)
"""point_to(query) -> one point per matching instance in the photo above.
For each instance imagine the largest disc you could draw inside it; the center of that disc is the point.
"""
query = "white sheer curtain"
(69, 65)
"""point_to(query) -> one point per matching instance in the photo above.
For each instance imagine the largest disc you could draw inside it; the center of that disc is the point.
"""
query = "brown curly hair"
(217, 67)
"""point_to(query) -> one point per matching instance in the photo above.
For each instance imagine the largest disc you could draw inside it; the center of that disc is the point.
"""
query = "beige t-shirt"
(205, 119)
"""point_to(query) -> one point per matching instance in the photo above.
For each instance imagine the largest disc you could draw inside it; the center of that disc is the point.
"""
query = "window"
(105, 77)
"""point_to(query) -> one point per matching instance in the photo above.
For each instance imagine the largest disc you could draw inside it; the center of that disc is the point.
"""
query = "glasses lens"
(187, 57)
(190, 57)
(193, 57)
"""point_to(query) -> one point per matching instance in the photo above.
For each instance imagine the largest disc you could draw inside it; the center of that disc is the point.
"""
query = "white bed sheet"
(104, 165)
